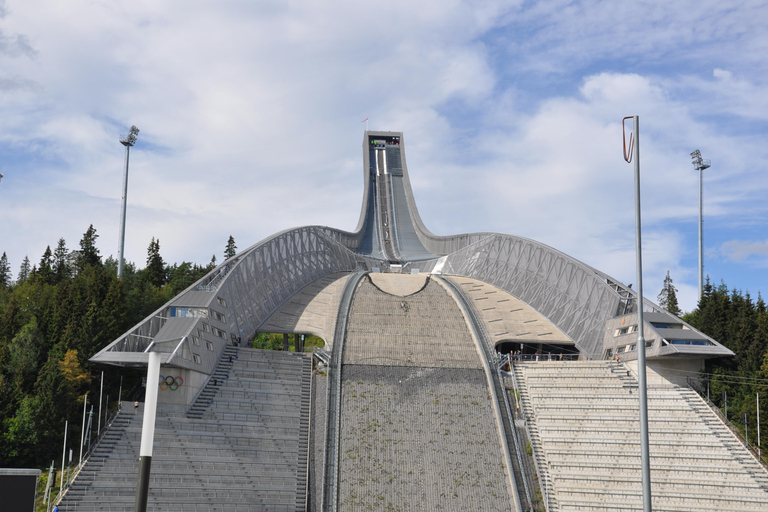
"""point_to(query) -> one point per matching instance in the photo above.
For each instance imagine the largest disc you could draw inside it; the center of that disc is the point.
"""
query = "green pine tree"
(25, 270)
(89, 253)
(5, 271)
(668, 296)
(45, 268)
(61, 268)
(155, 270)
(230, 250)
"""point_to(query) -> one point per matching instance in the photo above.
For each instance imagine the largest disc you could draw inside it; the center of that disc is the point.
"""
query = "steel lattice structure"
(233, 300)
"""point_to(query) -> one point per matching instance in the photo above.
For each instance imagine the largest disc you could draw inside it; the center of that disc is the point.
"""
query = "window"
(188, 312)
(625, 330)
(197, 359)
(688, 342)
(632, 347)
(218, 316)
(221, 301)
(196, 340)
(649, 344)
(209, 345)
(219, 333)
(206, 327)
(659, 325)
(200, 333)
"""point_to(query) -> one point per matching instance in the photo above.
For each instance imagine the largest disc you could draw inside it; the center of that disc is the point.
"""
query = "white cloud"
(741, 250)
(250, 118)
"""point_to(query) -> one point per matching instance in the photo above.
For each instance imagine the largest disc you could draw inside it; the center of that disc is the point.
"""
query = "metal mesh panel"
(570, 294)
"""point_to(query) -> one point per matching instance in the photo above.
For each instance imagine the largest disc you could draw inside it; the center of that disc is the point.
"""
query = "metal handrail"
(309, 435)
(333, 395)
(544, 488)
(483, 340)
(693, 387)
(94, 445)
(518, 448)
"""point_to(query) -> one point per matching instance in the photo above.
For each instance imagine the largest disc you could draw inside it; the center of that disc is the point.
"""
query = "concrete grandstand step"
(227, 460)
(586, 437)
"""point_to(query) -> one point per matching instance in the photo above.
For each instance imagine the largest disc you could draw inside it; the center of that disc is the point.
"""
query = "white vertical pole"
(701, 233)
(63, 457)
(147, 432)
(122, 213)
(48, 486)
(69, 466)
(82, 429)
(101, 391)
(758, 425)
(90, 428)
(643, 389)
(120, 393)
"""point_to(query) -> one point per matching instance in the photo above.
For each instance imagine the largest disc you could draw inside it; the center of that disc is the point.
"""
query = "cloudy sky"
(251, 122)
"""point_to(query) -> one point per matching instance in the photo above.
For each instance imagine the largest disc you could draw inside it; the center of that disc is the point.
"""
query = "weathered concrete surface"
(399, 284)
(312, 310)
(419, 439)
(426, 329)
(505, 317)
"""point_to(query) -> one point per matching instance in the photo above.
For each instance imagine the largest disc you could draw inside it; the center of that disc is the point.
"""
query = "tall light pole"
(127, 141)
(700, 164)
(633, 151)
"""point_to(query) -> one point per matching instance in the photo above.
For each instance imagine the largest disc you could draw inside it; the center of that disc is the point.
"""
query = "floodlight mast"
(127, 141)
(700, 164)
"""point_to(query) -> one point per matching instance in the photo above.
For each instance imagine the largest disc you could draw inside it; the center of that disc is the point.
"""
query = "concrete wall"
(670, 370)
(182, 394)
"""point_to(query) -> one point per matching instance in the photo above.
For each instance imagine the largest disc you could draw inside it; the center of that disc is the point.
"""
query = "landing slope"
(418, 429)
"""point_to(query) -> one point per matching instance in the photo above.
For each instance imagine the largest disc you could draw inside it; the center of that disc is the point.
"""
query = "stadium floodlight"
(700, 164)
(1, 176)
(127, 141)
(130, 139)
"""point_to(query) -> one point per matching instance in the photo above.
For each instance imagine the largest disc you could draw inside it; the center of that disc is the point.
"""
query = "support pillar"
(296, 343)
(147, 432)
(286, 346)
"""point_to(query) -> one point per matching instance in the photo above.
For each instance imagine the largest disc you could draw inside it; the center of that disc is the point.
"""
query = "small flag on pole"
(366, 123)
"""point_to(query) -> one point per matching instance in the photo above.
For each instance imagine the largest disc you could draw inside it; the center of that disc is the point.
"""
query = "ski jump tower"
(400, 307)
(591, 312)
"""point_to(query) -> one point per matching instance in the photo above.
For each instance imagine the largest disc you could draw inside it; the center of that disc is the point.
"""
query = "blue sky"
(250, 116)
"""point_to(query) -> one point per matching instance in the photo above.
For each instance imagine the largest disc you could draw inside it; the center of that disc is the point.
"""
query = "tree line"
(740, 323)
(53, 318)
(62, 310)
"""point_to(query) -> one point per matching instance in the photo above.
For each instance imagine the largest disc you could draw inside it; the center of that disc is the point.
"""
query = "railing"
(333, 396)
(693, 385)
(496, 388)
(322, 355)
(518, 444)
(74, 472)
(545, 473)
(309, 435)
(548, 357)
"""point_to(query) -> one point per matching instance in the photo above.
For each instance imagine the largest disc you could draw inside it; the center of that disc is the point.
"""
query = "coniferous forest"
(59, 311)
(55, 315)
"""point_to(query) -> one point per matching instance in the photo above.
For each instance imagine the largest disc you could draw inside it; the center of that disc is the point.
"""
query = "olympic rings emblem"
(169, 382)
